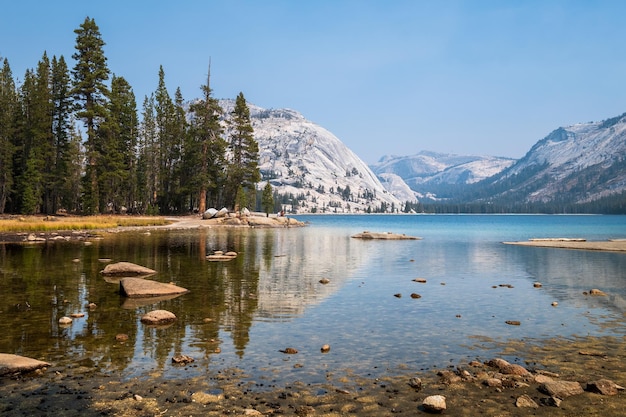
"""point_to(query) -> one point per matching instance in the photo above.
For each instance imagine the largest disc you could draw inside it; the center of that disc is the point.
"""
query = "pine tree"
(70, 191)
(243, 168)
(267, 201)
(147, 163)
(119, 138)
(205, 150)
(90, 92)
(170, 127)
(33, 141)
(179, 131)
(241, 199)
(8, 117)
(61, 131)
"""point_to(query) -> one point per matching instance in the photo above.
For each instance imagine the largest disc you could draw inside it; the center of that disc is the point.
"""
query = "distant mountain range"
(575, 168)
(429, 174)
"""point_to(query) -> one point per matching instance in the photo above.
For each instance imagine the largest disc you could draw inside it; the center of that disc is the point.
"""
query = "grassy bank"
(53, 223)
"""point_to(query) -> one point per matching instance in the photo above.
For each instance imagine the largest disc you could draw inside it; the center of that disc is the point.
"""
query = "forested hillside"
(72, 139)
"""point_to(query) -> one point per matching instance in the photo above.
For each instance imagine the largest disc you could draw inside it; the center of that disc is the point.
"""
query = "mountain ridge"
(572, 165)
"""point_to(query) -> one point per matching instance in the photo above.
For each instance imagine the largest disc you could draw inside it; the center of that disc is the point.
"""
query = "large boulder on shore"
(126, 269)
(141, 288)
(10, 364)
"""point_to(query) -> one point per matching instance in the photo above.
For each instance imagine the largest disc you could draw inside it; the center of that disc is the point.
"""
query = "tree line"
(72, 140)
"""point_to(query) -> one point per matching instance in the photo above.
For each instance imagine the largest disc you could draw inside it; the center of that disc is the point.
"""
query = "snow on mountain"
(309, 163)
(582, 162)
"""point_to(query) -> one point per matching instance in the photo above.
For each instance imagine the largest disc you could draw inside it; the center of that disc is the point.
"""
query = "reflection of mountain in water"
(289, 278)
(566, 274)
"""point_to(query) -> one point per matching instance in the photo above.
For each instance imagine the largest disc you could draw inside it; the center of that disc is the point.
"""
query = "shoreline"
(617, 245)
(175, 223)
(469, 389)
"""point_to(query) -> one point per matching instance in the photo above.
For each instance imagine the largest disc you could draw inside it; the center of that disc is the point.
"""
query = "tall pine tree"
(243, 170)
(8, 119)
(205, 150)
(62, 128)
(118, 140)
(90, 92)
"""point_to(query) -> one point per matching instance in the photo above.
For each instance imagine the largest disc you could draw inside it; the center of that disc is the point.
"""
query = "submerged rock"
(182, 359)
(142, 288)
(415, 383)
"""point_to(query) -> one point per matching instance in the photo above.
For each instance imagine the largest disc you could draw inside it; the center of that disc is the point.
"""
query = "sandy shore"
(604, 245)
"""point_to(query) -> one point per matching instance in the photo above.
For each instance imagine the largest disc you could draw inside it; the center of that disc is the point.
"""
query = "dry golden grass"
(49, 223)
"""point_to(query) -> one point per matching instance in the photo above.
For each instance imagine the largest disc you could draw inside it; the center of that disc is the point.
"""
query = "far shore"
(33, 229)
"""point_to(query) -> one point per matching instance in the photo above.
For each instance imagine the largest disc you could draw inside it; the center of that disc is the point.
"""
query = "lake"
(240, 314)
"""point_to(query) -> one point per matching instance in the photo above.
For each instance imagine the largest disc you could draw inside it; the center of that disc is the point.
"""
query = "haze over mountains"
(573, 166)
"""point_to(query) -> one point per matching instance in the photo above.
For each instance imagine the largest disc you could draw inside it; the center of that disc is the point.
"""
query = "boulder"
(209, 213)
(158, 317)
(142, 288)
(561, 389)
(493, 382)
(524, 401)
(514, 369)
(10, 364)
(126, 269)
(434, 404)
(604, 387)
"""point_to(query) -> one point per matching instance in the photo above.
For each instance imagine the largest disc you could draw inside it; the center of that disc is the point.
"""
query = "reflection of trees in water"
(275, 276)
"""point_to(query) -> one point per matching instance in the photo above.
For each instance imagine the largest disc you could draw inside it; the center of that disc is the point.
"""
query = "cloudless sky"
(386, 77)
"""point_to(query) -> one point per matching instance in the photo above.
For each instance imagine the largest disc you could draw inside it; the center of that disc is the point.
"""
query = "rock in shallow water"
(142, 288)
(10, 364)
(157, 317)
(434, 404)
(126, 269)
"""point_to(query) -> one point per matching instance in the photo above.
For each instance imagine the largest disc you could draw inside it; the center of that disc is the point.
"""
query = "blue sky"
(386, 77)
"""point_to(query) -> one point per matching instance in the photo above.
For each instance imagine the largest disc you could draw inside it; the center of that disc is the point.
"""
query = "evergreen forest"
(72, 139)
